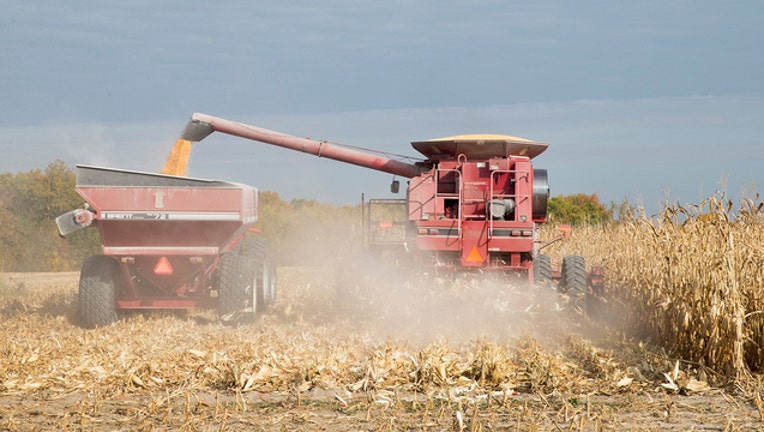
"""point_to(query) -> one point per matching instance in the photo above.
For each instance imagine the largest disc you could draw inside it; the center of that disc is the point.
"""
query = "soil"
(322, 410)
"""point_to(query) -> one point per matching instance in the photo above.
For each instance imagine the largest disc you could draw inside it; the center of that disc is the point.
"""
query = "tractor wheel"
(256, 251)
(542, 269)
(97, 305)
(574, 280)
(235, 285)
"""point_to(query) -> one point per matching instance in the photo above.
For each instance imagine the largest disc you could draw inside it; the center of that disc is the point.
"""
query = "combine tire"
(542, 270)
(255, 250)
(97, 306)
(574, 281)
(235, 285)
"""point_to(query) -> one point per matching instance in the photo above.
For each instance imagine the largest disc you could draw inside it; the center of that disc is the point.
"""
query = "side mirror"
(395, 186)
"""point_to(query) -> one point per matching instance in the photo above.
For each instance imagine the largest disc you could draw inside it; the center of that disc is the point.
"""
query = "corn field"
(690, 280)
(684, 317)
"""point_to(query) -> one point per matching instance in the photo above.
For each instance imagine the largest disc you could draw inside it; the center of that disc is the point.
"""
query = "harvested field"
(498, 360)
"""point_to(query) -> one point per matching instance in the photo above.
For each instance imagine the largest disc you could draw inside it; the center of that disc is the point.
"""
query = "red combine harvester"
(474, 203)
(168, 242)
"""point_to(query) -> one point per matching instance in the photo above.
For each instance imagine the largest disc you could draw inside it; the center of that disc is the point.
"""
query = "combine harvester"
(474, 204)
(168, 242)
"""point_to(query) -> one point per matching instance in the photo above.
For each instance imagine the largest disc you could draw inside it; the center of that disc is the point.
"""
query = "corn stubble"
(687, 286)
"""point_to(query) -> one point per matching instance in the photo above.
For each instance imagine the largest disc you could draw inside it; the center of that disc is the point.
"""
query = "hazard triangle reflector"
(474, 255)
(163, 267)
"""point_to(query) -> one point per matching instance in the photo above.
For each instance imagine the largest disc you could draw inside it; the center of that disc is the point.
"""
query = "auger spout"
(202, 125)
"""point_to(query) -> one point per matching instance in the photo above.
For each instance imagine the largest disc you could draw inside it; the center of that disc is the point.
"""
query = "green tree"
(578, 209)
(29, 203)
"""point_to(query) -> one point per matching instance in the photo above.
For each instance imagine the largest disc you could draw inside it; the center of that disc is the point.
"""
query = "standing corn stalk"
(691, 280)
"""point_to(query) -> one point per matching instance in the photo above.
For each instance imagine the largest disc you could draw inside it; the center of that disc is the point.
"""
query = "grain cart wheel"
(256, 251)
(574, 280)
(96, 305)
(542, 270)
(235, 285)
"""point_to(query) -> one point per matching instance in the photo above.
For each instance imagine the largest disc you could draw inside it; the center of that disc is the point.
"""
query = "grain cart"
(473, 204)
(168, 242)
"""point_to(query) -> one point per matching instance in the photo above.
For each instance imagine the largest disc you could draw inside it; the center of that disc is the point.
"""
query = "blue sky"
(645, 101)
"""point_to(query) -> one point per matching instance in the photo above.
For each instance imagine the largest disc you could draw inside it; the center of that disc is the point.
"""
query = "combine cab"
(168, 242)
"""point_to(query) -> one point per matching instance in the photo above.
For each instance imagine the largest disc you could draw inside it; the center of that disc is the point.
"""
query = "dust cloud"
(331, 279)
(420, 307)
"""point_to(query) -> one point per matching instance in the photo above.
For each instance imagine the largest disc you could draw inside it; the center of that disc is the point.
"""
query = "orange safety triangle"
(163, 267)
(474, 255)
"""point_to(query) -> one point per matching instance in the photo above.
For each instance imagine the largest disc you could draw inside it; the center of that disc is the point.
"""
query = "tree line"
(30, 202)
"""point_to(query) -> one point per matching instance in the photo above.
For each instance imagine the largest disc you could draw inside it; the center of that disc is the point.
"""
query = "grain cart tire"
(256, 251)
(574, 281)
(96, 305)
(542, 269)
(235, 285)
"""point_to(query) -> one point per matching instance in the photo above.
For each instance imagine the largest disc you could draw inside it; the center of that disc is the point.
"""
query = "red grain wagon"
(168, 242)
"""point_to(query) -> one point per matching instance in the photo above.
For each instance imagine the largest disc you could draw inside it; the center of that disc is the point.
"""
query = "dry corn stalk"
(691, 279)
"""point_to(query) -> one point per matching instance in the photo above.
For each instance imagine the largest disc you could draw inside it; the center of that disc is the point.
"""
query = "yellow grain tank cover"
(479, 146)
